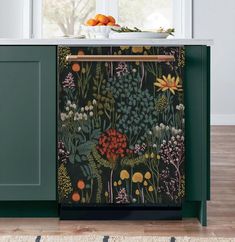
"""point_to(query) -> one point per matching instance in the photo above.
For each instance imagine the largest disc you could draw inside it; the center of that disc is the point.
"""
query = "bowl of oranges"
(100, 26)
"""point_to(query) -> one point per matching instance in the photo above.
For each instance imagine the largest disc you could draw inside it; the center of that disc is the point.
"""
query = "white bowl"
(138, 35)
(97, 32)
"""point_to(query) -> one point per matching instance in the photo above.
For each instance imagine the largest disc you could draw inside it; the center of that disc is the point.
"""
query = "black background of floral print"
(73, 167)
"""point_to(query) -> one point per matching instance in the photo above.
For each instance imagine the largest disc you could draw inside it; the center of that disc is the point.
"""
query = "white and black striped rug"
(99, 238)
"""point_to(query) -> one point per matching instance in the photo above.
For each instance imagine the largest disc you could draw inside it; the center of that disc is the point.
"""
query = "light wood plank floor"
(221, 208)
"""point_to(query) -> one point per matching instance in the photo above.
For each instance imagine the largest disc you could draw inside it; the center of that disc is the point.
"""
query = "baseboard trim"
(223, 119)
(28, 209)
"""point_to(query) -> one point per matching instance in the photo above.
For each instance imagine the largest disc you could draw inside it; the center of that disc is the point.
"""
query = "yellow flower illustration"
(137, 177)
(146, 156)
(106, 194)
(145, 183)
(115, 183)
(119, 182)
(168, 83)
(124, 47)
(137, 49)
(137, 192)
(124, 174)
(152, 155)
(147, 175)
(83, 70)
(150, 189)
(158, 157)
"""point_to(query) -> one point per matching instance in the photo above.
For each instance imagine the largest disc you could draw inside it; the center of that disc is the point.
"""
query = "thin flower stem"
(150, 195)
(91, 189)
(111, 186)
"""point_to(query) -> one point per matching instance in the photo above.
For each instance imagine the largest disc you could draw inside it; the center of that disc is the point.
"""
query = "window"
(146, 15)
(58, 18)
(64, 17)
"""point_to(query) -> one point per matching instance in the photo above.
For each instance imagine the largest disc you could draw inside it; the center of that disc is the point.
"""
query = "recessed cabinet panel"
(19, 140)
(27, 123)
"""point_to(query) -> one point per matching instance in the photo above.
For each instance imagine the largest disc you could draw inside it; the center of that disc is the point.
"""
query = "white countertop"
(108, 42)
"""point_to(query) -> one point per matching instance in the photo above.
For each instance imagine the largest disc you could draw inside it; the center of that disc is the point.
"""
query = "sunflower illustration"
(168, 83)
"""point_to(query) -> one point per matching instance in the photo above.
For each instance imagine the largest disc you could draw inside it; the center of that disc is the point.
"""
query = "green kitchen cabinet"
(28, 123)
(197, 124)
(28, 131)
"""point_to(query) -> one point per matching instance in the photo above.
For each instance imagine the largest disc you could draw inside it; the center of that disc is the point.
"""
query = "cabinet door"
(27, 123)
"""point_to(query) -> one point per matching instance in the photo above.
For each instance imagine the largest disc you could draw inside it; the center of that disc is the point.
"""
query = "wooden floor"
(221, 208)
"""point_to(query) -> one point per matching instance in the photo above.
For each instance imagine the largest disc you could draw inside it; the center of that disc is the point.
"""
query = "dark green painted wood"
(209, 121)
(197, 122)
(28, 123)
(202, 215)
(196, 209)
(29, 209)
(197, 99)
(190, 209)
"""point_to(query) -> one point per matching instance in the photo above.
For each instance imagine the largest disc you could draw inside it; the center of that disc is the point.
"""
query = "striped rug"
(99, 238)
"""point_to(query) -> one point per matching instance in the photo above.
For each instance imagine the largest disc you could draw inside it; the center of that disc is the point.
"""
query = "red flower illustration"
(112, 144)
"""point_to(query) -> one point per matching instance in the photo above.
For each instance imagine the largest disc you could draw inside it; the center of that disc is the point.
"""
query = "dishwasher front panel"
(121, 126)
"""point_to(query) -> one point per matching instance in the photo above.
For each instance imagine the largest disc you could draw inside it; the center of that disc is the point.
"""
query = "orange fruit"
(81, 184)
(110, 24)
(100, 24)
(111, 19)
(102, 19)
(97, 16)
(81, 52)
(76, 197)
(91, 22)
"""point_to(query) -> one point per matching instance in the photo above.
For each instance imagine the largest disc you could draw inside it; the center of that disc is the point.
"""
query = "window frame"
(182, 16)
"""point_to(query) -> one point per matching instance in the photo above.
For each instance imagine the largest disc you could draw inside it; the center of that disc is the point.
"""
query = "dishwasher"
(120, 132)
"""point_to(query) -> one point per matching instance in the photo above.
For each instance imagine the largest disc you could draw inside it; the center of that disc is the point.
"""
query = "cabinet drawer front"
(121, 126)
(27, 124)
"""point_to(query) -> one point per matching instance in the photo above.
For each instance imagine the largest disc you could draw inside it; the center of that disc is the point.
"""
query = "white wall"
(12, 17)
(215, 19)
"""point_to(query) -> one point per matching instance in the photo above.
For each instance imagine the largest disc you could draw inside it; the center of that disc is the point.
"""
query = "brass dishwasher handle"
(121, 58)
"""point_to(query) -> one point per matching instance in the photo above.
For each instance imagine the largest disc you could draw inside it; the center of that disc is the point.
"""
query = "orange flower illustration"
(124, 174)
(137, 177)
(76, 67)
(81, 184)
(168, 83)
(76, 197)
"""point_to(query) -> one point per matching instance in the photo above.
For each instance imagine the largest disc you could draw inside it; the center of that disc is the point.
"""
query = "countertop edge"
(107, 42)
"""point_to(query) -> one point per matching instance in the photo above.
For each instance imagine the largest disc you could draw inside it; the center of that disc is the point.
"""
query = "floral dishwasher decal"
(121, 128)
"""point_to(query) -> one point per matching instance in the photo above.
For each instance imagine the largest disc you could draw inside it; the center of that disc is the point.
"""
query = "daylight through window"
(65, 17)
(146, 15)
